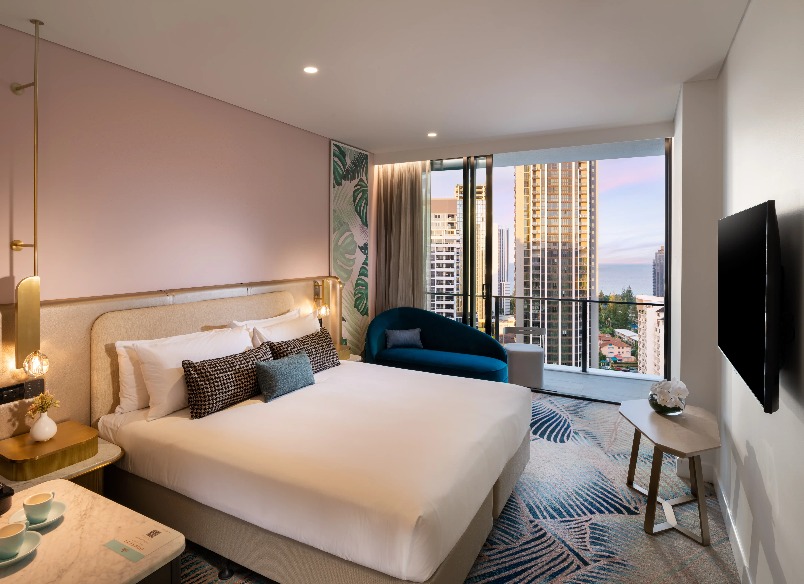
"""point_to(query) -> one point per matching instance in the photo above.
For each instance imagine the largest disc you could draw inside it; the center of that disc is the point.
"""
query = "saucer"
(57, 509)
(29, 545)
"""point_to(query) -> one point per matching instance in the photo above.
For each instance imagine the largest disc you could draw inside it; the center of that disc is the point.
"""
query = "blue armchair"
(450, 347)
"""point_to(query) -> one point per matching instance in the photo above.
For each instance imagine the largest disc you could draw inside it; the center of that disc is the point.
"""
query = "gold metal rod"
(37, 24)
(18, 88)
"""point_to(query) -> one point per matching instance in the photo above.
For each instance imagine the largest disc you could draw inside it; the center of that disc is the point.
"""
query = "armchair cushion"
(408, 338)
(446, 363)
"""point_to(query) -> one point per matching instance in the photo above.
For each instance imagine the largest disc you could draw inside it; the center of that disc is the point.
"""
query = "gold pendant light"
(27, 302)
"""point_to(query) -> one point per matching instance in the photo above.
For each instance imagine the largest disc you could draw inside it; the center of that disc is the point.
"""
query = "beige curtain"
(401, 267)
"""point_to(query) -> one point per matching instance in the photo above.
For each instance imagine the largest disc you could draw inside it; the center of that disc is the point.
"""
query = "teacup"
(37, 507)
(11, 538)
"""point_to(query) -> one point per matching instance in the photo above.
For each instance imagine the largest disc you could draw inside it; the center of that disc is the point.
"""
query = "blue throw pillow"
(282, 376)
(404, 339)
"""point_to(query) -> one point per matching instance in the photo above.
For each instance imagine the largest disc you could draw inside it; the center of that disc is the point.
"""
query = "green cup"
(37, 507)
(11, 538)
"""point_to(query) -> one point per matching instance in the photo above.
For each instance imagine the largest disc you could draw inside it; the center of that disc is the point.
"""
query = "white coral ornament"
(668, 397)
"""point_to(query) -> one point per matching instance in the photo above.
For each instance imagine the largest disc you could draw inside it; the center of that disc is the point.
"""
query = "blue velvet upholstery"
(450, 347)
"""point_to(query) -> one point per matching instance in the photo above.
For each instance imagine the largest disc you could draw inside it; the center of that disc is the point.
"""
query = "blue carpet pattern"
(571, 519)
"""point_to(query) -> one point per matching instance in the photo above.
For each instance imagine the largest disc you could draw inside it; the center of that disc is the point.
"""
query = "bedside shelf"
(22, 458)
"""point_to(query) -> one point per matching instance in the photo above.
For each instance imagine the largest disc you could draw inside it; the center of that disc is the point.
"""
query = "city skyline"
(623, 183)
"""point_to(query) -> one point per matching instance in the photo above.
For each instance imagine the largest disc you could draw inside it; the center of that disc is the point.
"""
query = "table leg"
(634, 455)
(700, 492)
(653, 490)
(693, 481)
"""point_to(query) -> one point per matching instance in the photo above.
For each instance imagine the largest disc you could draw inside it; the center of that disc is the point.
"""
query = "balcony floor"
(598, 385)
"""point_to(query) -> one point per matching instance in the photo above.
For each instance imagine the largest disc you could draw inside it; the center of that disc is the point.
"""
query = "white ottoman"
(525, 364)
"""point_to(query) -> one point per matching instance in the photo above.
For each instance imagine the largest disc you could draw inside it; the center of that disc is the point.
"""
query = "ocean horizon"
(614, 278)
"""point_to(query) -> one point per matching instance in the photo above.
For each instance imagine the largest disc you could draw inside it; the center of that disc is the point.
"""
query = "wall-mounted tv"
(749, 277)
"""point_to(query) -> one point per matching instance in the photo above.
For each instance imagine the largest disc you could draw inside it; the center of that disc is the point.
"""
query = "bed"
(372, 475)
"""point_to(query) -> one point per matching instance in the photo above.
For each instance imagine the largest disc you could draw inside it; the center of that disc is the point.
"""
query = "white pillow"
(133, 393)
(160, 363)
(250, 324)
(286, 331)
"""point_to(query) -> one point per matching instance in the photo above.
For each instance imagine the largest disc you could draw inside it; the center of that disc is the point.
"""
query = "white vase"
(43, 429)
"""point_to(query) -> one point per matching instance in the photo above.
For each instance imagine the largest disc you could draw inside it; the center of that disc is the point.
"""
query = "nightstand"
(88, 472)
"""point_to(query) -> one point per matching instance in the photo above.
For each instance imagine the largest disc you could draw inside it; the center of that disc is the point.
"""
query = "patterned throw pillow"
(216, 384)
(318, 346)
(279, 377)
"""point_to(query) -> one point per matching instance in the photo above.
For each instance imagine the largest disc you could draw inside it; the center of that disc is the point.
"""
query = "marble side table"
(686, 436)
(87, 473)
(73, 549)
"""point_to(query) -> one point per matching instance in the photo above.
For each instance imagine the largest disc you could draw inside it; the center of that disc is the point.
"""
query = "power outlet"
(26, 390)
(34, 387)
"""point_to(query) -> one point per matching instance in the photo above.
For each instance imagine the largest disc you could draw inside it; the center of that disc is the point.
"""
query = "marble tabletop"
(107, 454)
(73, 548)
(689, 434)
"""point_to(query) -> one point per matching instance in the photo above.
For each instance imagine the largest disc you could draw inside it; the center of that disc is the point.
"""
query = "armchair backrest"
(439, 333)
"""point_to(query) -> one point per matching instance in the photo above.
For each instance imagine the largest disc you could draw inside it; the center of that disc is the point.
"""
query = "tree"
(617, 316)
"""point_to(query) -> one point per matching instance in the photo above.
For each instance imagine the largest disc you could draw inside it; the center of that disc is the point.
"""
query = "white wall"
(697, 206)
(761, 467)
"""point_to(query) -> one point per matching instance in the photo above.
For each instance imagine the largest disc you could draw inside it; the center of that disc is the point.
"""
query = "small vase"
(664, 410)
(43, 429)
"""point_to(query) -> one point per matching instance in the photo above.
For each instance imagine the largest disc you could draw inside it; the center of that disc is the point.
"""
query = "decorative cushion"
(285, 331)
(161, 364)
(318, 346)
(282, 376)
(404, 339)
(216, 384)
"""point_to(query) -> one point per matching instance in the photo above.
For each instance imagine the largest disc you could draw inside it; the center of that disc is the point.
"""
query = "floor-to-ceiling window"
(460, 240)
(571, 249)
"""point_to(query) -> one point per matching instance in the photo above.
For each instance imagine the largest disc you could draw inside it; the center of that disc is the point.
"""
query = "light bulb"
(323, 311)
(36, 364)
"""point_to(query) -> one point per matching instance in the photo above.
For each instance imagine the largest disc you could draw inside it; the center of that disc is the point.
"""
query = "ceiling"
(392, 71)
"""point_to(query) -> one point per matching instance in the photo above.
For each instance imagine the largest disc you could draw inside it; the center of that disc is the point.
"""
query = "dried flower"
(42, 403)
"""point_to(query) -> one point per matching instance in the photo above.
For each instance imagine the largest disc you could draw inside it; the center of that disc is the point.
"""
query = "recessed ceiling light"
(432, 135)
(311, 70)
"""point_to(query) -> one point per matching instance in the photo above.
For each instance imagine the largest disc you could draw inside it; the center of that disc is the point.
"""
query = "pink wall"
(147, 186)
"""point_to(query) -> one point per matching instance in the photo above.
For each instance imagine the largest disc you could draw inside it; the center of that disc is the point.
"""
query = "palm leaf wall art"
(349, 238)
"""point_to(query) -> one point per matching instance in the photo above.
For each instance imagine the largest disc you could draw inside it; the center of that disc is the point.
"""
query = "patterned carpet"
(571, 518)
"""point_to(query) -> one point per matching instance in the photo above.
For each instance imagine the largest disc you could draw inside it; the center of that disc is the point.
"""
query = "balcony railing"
(581, 333)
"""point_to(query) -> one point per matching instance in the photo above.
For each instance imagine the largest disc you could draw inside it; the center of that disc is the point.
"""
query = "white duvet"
(382, 467)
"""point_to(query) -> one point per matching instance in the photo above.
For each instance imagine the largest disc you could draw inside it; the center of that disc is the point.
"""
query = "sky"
(630, 205)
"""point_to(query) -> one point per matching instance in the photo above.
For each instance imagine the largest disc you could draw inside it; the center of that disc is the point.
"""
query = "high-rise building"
(556, 254)
(480, 245)
(658, 273)
(650, 331)
(445, 257)
(500, 261)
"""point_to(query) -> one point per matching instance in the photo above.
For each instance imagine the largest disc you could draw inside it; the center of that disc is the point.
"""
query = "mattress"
(382, 467)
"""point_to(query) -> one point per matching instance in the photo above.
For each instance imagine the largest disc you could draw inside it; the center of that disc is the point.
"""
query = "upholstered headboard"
(164, 321)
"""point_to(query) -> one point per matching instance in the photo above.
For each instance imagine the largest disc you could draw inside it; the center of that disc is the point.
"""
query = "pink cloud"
(613, 174)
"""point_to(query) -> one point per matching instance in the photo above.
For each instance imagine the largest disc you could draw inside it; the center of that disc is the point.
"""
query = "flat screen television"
(749, 277)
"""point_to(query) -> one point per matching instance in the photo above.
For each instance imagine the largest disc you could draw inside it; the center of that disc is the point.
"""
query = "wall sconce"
(319, 301)
(27, 301)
